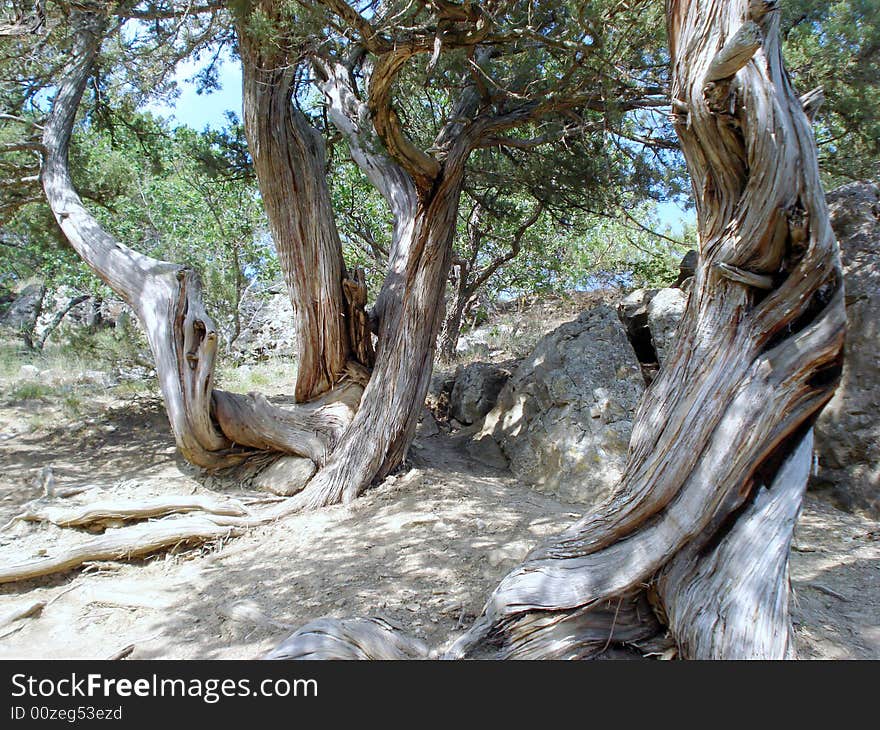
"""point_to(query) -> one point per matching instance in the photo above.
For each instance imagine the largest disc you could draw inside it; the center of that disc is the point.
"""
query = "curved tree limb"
(749, 372)
(167, 300)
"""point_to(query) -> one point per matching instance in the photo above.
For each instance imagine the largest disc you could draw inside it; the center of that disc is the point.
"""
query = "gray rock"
(476, 390)
(52, 376)
(268, 329)
(286, 476)
(687, 268)
(25, 309)
(511, 553)
(848, 430)
(97, 377)
(633, 313)
(563, 420)
(28, 372)
(665, 311)
(486, 450)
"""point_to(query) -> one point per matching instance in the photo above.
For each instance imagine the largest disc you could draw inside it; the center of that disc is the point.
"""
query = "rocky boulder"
(23, 313)
(563, 419)
(475, 391)
(848, 430)
(665, 311)
(267, 328)
(651, 317)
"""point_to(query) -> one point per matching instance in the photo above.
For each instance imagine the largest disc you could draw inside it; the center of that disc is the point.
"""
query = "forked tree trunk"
(290, 164)
(212, 429)
(383, 428)
(696, 536)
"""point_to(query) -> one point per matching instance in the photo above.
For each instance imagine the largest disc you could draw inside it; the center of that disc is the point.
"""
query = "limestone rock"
(25, 309)
(665, 311)
(633, 313)
(476, 390)
(28, 372)
(848, 430)
(268, 328)
(563, 420)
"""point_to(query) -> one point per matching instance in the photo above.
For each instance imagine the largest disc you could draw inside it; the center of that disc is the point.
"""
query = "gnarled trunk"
(451, 329)
(290, 165)
(757, 356)
(700, 525)
(381, 432)
(214, 429)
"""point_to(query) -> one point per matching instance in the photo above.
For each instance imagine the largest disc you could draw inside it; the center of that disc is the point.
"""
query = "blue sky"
(203, 110)
(208, 110)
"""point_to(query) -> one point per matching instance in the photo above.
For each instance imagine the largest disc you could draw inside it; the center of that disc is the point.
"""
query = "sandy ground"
(423, 550)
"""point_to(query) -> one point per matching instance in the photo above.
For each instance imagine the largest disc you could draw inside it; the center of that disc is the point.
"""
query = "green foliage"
(28, 390)
(179, 195)
(836, 45)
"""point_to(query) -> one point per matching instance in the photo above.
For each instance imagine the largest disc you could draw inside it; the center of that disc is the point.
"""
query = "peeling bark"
(750, 370)
(692, 528)
(290, 164)
(382, 429)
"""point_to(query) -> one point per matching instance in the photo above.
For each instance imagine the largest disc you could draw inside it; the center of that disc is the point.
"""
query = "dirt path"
(423, 550)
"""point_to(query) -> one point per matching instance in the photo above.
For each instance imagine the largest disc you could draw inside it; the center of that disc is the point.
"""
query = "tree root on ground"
(207, 519)
(351, 638)
(122, 543)
(98, 514)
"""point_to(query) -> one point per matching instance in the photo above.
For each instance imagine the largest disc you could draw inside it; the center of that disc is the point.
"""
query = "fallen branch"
(113, 510)
(121, 654)
(125, 542)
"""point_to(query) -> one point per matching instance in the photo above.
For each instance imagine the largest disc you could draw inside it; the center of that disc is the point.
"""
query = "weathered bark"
(371, 638)
(451, 330)
(381, 432)
(101, 512)
(167, 299)
(692, 527)
(409, 307)
(750, 370)
(696, 589)
(123, 543)
(290, 164)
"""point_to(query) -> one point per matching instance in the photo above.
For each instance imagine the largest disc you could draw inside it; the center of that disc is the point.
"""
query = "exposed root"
(578, 634)
(350, 638)
(98, 514)
(123, 543)
(216, 519)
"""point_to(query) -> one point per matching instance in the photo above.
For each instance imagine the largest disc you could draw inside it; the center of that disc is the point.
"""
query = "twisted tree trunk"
(696, 535)
(212, 429)
(383, 428)
(758, 355)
